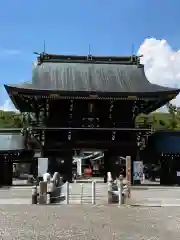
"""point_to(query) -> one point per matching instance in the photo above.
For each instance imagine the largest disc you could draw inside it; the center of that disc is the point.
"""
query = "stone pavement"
(159, 196)
(147, 196)
(87, 222)
(140, 196)
(16, 195)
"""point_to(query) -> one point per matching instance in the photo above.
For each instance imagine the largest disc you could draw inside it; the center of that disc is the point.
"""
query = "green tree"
(173, 123)
(10, 120)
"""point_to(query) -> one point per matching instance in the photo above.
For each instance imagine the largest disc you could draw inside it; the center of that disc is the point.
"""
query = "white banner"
(42, 166)
(138, 170)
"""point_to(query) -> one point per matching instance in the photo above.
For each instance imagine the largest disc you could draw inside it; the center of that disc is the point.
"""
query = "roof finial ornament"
(133, 57)
(89, 49)
(43, 55)
(36, 53)
(89, 54)
(132, 50)
(44, 49)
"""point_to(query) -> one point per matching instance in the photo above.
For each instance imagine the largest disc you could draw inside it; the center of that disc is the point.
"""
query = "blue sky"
(69, 26)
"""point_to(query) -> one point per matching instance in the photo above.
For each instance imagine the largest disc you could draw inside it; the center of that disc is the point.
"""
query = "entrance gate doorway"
(9, 161)
(170, 169)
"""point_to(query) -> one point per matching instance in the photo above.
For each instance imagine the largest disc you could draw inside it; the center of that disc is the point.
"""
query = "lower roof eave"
(158, 104)
(12, 91)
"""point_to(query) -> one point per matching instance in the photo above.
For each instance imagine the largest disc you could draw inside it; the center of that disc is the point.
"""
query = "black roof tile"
(73, 74)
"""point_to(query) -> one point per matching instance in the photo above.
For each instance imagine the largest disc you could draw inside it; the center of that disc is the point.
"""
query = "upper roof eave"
(47, 57)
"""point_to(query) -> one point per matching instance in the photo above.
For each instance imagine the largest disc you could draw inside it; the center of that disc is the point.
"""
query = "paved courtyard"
(144, 196)
(88, 222)
(21, 220)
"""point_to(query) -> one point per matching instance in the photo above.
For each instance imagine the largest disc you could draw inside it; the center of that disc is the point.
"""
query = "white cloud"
(8, 106)
(162, 63)
(9, 52)
(35, 64)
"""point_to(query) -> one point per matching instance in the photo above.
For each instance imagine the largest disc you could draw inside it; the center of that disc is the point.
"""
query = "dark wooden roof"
(91, 74)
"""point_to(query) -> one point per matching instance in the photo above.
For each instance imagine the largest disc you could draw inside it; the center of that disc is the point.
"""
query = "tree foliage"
(159, 120)
(156, 120)
(10, 120)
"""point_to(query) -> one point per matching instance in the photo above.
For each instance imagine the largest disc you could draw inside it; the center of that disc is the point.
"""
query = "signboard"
(42, 166)
(138, 170)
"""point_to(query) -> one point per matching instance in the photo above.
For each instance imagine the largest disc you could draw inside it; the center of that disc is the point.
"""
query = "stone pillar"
(42, 192)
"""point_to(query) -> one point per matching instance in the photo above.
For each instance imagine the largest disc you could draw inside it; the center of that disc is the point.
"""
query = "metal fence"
(82, 193)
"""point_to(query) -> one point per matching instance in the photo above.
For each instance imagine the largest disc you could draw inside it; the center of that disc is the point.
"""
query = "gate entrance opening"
(16, 167)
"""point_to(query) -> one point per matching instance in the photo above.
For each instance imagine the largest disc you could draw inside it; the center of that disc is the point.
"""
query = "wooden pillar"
(52, 165)
(106, 165)
(34, 167)
(2, 170)
(165, 173)
(8, 172)
(68, 158)
(129, 175)
(110, 165)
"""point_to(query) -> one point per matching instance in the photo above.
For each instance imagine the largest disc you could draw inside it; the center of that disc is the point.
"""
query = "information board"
(137, 170)
(42, 166)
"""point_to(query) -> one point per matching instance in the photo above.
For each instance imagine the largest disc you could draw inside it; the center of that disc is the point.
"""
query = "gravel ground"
(88, 222)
